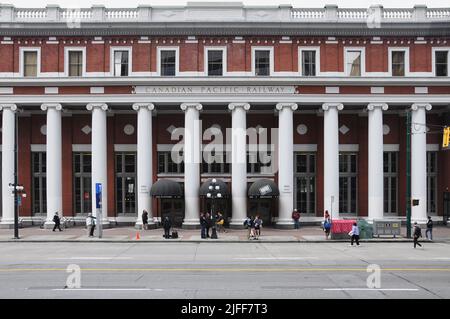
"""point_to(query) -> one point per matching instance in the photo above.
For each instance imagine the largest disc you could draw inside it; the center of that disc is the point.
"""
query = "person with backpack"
(327, 224)
(248, 223)
(145, 219)
(429, 229)
(417, 234)
(296, 218)
(257, 224)
(203, 225)
(90, 224)
(57, 222)
(167, 225)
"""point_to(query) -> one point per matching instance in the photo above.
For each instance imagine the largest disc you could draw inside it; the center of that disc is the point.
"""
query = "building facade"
(313, 102)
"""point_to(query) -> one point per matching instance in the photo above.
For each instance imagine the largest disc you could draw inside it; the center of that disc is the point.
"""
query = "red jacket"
(295, 215)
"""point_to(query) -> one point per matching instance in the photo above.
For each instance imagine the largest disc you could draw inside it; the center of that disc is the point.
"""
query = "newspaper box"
(386, 227)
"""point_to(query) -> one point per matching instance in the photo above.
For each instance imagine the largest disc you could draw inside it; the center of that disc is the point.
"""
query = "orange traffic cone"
(138, 235)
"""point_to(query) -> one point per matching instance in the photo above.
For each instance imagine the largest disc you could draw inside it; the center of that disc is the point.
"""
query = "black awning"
(166, 188)
(204, 189)
(263, 188)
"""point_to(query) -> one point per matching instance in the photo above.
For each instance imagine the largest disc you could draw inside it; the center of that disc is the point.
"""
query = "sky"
(294, 3)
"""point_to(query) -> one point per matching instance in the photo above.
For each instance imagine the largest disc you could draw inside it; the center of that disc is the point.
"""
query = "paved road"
(224, 270)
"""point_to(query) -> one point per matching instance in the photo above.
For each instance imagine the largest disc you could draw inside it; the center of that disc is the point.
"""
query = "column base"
(237, 224)
(140, 225)
(7, 224)
(284, 224)
(190, 224)
(49, 224)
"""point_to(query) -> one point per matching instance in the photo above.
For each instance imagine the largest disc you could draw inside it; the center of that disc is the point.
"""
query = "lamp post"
(213, 193)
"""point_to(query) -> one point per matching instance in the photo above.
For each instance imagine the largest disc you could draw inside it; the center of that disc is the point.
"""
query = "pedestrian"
(220, 221)
(296, 218)
(429, 229)
(355, 234)
(145, 219)
(208, 223)
(57, 222)
(417, 234)
(90, 224)
(248, 223)
(258, 225)
(167, 224)
(327, 224)
(203, 224)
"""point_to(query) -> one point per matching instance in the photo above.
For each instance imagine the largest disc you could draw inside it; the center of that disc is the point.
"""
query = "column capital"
(327, 106)
(280, 106)
(185, 106)
(12, 107)
(138, 106)
(46, 106)
(372, 106)
(233, 106)
(102, 106)
(416, 106)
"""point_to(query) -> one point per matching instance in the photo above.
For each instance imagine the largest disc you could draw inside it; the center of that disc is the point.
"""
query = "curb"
(215, 242)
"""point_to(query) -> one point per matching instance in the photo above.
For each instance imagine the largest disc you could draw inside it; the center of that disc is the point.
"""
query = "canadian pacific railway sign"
(214, 90)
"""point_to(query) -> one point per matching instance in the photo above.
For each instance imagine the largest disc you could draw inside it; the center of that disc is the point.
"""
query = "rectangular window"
(126, 183)
(168, 62)
(215, 62)
(169, 165)
(441, 60)
(398, 63)
(30, 63)
(75, 63)
(262, 62)
(305, 183)
(348, 183)
(308, 63)
(121, 63)
(39, 186)
(390, 182)
(82, 183)
(432, 173)
(353, 59)
(215, 164)
(258, 163)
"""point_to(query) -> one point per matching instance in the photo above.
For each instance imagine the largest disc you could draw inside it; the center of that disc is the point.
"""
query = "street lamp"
(214, 193)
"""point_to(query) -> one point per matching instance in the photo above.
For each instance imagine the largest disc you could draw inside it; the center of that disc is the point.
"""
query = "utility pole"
(16, 199)
(408, 174)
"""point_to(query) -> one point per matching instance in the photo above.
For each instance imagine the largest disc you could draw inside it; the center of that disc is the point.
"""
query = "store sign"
(215, 90)
(265, 190)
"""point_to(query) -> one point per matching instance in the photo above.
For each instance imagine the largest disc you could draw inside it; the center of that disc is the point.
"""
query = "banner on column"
(98, 195)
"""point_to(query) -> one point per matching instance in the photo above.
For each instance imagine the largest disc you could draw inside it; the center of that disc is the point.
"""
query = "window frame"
(390, 174)
(112, 63)
(271, 59)
(433, 60)
(177, 59)
(224, 60)
(362, 51)
(311, 207)
(300, 60)
(22, 51)
(41, 176)
(348, 174)
(407, 62)
(66, 61)
(432, 175)
(82, 175)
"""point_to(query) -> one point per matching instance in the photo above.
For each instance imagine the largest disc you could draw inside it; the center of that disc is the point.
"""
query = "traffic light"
(446, 138)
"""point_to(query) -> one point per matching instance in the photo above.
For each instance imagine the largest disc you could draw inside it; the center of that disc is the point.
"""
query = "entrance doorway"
(126, 183)
(263, 208)
(174, 209)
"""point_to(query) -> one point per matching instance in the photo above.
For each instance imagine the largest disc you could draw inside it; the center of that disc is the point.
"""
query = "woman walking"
(327, 224)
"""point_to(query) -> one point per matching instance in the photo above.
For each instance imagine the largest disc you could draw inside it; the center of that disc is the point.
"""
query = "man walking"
(57, 222)
(296, 218)
(429, 229)
(90, 224)
(417, 234)
(203, 225)
(355, 234)
(145, 219)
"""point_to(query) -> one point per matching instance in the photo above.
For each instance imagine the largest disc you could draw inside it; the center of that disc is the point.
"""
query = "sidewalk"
(129, 234)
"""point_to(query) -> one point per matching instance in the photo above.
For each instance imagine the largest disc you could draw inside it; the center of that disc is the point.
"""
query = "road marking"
(228, 269)
(89, 258)
(371, 289)
(106, 289)
(276, 258)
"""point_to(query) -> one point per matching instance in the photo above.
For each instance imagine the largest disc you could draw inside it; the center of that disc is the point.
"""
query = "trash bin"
(365, 229)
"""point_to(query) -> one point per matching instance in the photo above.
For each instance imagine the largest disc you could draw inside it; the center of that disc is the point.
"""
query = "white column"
(54, 161)
(286, 164)
(238, 163)
(99, 156)
(192, 160)
(144, 160)
(331, 158)
(376, 191)
(419, 162)
(8, 133)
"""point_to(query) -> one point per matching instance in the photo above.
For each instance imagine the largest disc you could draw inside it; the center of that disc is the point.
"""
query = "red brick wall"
(24, 161)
